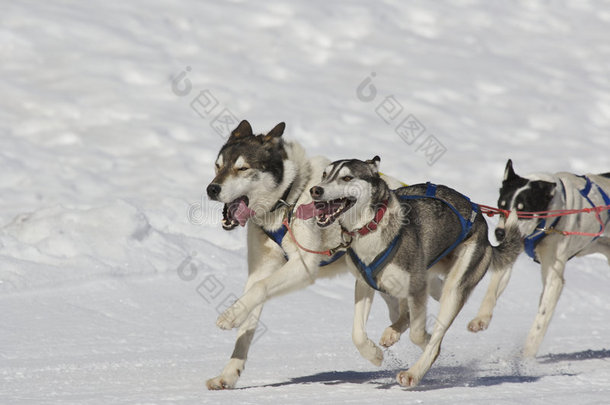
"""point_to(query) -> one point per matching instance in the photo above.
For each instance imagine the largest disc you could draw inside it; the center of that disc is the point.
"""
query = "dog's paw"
(407, 379)
(221, 383)
(479, 323)
(232, 317)
(223, 323)
(389, 337)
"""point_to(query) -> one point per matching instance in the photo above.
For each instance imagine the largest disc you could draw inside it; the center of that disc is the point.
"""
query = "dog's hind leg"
(363, 298)
(465, 274)
(435, 287)
(552, 277)
(400, 324)
(418, 311)
(601, 245)
(497, 284)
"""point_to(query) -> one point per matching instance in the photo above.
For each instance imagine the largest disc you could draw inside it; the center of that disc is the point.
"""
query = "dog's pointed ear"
(509, 173)
(374, 163)
(276, 132)
(243, 130)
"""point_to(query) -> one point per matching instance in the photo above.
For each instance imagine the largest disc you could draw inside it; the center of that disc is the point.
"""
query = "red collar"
(372, 226)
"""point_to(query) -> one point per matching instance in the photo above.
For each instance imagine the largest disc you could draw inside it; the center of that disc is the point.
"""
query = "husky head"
(252, 173)
(348, 186)
(523, 194)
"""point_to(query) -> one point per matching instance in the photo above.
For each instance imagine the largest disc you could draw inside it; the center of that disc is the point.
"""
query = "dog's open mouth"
(327, 212)
(236, 213)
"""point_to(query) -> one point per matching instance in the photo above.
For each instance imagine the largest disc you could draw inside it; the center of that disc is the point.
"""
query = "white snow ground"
(100, 162)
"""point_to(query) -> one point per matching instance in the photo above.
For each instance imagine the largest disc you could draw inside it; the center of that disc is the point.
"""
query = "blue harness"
(278, 236)
(533, 239)
(370, 271)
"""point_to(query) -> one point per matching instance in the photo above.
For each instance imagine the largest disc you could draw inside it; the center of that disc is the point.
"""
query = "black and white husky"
(260, 179)
(401, 238)
(544, 192)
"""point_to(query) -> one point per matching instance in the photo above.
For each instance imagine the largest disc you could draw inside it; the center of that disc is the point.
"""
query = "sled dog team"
(310, 218)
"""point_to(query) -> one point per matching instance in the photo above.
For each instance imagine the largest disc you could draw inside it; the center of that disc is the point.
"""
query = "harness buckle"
(553, 230)
(281, 203)
(473, 215)
(343, 245)
(372, 226)
(548, 231)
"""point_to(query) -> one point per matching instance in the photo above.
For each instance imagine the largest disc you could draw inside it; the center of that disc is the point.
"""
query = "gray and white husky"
(544, 192)
(260, 179)
(402, 238)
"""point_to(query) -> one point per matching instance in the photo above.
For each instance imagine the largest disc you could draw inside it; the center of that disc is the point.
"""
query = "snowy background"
(106, 234)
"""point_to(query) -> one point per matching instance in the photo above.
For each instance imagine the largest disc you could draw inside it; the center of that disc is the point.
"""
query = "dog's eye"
(347, 178)
(243, 169)
(324, 175)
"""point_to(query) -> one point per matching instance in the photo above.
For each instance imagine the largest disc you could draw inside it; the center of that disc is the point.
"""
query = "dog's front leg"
(497, 284)
(263, 259)
(232, 371)
(363, 298)
(552, 276)
(298, 272)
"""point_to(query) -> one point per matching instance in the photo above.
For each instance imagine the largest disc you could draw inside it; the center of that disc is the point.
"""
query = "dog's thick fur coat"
(253, 174)
(428, 227)
(542, 192)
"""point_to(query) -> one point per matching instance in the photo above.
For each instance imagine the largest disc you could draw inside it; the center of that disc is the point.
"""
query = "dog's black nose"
(500, 234)
(316, 191)
(213, 191)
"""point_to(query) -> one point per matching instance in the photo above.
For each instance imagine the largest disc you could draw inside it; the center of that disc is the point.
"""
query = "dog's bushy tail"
(506, 253)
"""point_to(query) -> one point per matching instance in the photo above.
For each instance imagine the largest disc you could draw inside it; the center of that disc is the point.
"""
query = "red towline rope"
(318, 252)
(491, 211)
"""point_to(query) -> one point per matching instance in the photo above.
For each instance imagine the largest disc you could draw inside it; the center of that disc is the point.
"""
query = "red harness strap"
(328, 252)
(372, 226)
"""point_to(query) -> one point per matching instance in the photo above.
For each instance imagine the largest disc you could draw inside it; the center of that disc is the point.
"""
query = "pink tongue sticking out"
(306, 211)
(242, 213)
(315, 208)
